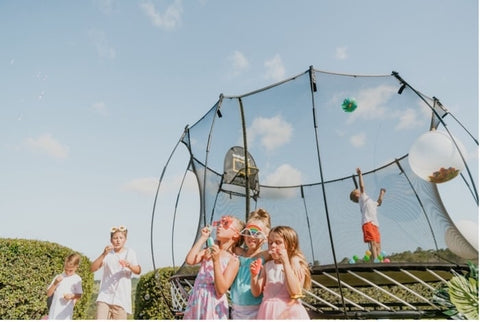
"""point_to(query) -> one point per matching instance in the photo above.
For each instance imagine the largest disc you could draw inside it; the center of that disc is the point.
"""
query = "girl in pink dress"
(219, 267)
(282, 279)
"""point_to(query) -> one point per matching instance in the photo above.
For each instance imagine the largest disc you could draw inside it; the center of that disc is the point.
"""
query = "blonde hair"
(353, 195)
(73, 259)
(292, 245)
(263, 216)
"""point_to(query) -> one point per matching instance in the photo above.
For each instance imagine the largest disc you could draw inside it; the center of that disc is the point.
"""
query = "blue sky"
(96, 93)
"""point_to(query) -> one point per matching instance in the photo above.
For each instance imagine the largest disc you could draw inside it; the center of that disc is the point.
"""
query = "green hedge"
(153, 290)
(27, 267)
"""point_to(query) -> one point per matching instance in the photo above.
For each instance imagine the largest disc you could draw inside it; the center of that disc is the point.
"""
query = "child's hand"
(359, 172)
(283, 255)
(256, 266)
(279, 254)
(215, 252)
(206, 232)
(68, 296)
(124, 263)
(107, 249)
(58, 279)
(383, 190)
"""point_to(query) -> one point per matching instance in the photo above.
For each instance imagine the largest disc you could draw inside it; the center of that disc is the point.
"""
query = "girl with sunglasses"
(219, 266)
(114, 299)
(283, 278)
(244, 304)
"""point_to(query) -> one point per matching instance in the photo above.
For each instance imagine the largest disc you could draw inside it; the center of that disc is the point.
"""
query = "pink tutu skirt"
(282, 309)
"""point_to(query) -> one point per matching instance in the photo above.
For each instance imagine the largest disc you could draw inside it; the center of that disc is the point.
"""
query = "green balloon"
(349, 105)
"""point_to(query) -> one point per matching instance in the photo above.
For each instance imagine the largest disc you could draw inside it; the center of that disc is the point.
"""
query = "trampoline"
(292, 148)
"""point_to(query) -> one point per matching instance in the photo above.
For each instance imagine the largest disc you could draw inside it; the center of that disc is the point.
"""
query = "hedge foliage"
(152, 296)
(27, 267)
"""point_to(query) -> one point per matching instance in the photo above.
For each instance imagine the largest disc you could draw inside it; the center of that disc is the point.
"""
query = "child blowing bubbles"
(244, 304)
(66, 288)
(282, 278)
(368, 209)
(208, 299)
(114, 297)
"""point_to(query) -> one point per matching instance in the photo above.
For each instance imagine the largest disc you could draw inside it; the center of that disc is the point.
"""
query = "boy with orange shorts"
(368, 208)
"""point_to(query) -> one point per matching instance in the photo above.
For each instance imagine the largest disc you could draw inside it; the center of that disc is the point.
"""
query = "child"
(244, 304)
(282, 278)
(208, 298)
(368, 208)
(114, 299)
(66, 289)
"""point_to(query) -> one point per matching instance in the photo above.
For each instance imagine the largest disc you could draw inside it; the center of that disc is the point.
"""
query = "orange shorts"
(370, 232)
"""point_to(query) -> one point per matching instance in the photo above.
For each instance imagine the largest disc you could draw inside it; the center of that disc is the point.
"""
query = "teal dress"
(244, 304)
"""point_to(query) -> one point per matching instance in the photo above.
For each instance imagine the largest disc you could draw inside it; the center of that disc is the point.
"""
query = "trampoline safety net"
(303, 139)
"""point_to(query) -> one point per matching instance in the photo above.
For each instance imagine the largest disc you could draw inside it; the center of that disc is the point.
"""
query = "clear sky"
(96, 93)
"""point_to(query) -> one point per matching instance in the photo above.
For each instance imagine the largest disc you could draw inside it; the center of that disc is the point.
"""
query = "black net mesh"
(306, 144)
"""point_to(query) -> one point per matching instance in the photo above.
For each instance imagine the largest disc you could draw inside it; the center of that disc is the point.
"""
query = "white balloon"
(458, 245)
(435, 158)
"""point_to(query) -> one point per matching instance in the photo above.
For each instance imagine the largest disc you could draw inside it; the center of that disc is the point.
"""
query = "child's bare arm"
(380, 196)
(223, 280)
(54, 285)
(72, 296)
(197, 252)
(257, 272)
(294, 282)
(98, 262)
(360, 181)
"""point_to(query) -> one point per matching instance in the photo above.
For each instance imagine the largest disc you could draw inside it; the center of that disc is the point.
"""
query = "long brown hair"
(292, 245)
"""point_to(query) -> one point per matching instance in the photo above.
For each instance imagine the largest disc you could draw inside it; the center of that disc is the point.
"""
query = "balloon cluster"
(367, 256)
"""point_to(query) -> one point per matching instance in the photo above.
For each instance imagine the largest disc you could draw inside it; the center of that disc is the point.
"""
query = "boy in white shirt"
(368, 208)
(66, 289)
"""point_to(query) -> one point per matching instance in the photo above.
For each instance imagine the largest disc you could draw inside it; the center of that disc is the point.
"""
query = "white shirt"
(116, 286)
(368, 208)
(62, 309)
